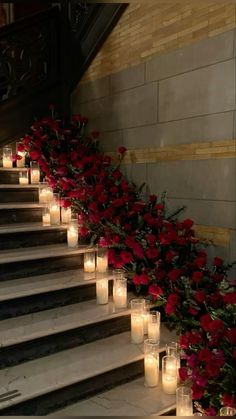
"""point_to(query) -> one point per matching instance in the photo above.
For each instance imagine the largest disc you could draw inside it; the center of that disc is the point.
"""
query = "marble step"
(23, 212)
(30, 234)
(43, 333)
(18, 193)
(29, 261)
(51, 382)
(129, 399)
(10, 176)
(32, 294)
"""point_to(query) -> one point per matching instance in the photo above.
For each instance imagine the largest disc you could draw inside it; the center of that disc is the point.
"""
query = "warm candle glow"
(20, 162)
(89, 262)
(151, 371)
(169, 374)
(72, 235)
(102, 291)
(154, 326)
(7, 157)
(184, 404)
(23, 178)
(65, 215)
(137, 330)
(55, 214)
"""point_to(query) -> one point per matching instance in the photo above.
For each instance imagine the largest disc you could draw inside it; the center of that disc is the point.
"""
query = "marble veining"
(42, 283)
(130, 399)
(38, 252)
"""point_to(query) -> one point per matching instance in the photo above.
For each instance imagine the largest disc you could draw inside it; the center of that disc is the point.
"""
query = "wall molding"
(217, 235)
(194, 151)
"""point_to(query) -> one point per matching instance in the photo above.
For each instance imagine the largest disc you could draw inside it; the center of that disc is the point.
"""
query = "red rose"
(170, 255)
(183, 341)
(62, 159)
(152, 253)
(194, 338)
(210, 411)
(231, 335)
(201, 380)
(200, 296)
(126, 257)
(118, 202)
(142, 279)
(170, 309)
(160, 207)
(183, 374)
(204, 355)
(216, 326)
(200, 262)
(20, 147)
(197, 276)
(212, 368)
(218, 262)
(205, 320)
(174, 274)
(173, 299)
(228, 400)
(114, 190)
(230, 298)
(35, 154)
(193, 311)
(155, 291)
(198, 392)
(122, 150)
(116, 174)
(152, 199)
(187, 224)
(151, 239)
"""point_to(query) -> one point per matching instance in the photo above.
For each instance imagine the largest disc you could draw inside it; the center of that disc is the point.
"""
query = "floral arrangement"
(159, 253)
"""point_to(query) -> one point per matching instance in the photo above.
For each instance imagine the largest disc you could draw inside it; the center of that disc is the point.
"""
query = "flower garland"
(161, 254)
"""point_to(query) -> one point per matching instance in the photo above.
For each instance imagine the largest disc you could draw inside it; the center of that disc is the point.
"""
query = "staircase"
(60, 352)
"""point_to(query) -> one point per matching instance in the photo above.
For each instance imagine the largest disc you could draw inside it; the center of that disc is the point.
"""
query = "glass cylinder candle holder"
(154, 324)
(137, 323)
(89, 262)
(21, 161)
(102, 290)
(184, 403)
(45, 193)
(23, 177)
(55, 216)
(7, 157)
(227, 411)
(102, 260)
(173, 349)
(146, 310)
(66, 215)
(72, 234)
(46, 216)
(151, 363)
(34, 172)
(119, 289)
(169, 374)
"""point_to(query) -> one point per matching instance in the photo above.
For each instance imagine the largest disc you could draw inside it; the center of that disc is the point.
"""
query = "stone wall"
(176, 115)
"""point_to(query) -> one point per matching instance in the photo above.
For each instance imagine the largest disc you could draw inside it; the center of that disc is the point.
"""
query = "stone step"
(49, 383)
(10, 176)
(30, 234)
(40, 334)
(29, 261)
(32, 294)
(20, 212)
(129, 399)
(18, 193)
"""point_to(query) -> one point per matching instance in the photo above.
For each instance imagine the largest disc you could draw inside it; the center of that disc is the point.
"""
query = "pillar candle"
(89, 262)
(72, 235)
(102, 291)
(169, 374)
(55, 214)
(137, 331)
(23, 178)
(20, 162)
(120, 293)
(151, 370)
(184, 403)
(7, 157)
(65, 215)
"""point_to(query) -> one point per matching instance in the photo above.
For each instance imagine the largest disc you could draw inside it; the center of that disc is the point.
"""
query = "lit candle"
(102, 291)
(169, 374)
(154, 326)
(45, 193)
(72, 235)
(89, 262)
(23, 178)
(137, 332)
(102, 260)
(46, 219)
(7, 157)
(151, 371)
(119, 289)
(55, 214)
(227, 411)
(184, 404)
(34, 172)
(173, 349)
(65, 215)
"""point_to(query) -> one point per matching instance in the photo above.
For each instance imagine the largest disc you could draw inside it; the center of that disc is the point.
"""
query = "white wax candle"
(55, 215)
(145, 323)
(35, 176)
(46, 219)
(169, 377)
(72, 237)
(42, 195)
(21, 162)
(101, 264)
(120, 297)
(137, 331)
(154, 331)
(23, 180)
(151, 370)
(65, 215)
(7, 162)
(102, 291)
(89, 266)
(184, 410)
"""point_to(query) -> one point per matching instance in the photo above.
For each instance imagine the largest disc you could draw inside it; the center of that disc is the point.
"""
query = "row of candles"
(7, 157)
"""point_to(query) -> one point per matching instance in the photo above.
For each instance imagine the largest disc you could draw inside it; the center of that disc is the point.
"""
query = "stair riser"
(24, 215)
(23, 269)
(32, 238)
(58, 399)
(9, 177)
(34, 303)
(19, 195)
(48, 345)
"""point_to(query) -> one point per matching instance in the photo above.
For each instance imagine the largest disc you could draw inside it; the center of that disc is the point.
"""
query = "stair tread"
(13, 169)
(22, 287)
(39, 252)
(129, 399)
(18, 186)
(27, 227)
(41, 376)
(48, 322)
(20, 205)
